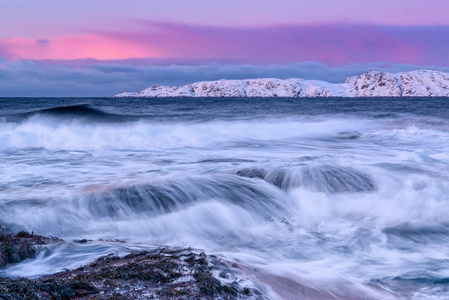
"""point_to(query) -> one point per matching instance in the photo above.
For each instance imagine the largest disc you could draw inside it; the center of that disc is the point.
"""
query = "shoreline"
(161, 273)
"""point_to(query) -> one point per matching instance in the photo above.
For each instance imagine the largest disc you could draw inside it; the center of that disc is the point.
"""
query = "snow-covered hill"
(425, 83)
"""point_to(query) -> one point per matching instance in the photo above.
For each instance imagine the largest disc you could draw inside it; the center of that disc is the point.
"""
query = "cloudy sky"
(99, 48)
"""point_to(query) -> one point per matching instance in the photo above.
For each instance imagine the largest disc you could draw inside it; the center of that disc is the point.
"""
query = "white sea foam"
(76, 135)
(335, 204)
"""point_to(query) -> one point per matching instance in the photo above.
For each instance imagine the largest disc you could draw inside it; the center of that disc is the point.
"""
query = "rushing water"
(336, 198)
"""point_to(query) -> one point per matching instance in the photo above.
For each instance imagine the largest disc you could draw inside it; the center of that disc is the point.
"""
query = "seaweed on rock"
(163, 273)
(15, 248)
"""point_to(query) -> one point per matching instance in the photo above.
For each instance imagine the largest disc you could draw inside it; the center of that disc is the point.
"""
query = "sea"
(312, 198)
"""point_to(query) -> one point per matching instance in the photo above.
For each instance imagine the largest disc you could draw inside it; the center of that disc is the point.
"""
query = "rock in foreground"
(15, 248)
(163, 273)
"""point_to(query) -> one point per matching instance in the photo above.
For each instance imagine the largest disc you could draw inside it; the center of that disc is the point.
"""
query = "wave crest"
(325, 178)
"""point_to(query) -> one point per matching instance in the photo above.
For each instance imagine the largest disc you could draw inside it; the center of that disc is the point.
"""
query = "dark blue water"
(342, 198)
(223, 108)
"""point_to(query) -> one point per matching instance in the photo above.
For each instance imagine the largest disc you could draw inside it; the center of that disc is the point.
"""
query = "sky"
(99, 48)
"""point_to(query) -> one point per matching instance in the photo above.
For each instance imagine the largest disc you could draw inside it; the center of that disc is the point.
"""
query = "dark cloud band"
(21, 78)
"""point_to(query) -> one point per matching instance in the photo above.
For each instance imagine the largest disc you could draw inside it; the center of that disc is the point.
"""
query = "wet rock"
(163, 273)
(23, 288)
(3, 230)
(15, 248)
(82, 241)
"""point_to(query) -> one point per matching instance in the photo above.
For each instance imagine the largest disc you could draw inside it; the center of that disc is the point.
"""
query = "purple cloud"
(333, 44)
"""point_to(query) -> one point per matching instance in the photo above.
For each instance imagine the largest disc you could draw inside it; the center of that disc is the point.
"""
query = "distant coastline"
(420, 83)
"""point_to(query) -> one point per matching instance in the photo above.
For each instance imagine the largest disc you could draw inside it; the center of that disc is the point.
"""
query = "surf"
(323, 195)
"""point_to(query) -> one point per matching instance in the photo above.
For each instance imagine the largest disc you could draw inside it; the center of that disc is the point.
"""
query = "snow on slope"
(424, 83)
(410, 84)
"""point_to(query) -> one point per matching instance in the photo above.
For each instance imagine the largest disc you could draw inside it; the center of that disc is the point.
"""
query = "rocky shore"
(162, 273)
(17, 247)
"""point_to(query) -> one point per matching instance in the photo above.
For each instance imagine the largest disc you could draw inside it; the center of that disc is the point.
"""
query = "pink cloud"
(104, 47)
(333, 44)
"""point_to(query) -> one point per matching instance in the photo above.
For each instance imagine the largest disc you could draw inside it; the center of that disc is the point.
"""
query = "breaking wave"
(337, 204)
(330, 179)
(83, 112)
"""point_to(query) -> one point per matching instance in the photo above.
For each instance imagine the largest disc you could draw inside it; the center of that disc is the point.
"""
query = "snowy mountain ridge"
(420, 83)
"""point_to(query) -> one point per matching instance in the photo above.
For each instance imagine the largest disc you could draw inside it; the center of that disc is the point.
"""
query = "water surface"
(348, 197)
